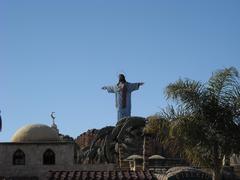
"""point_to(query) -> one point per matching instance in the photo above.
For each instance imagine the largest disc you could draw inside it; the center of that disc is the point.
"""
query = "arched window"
(19, 157)
(49, 157)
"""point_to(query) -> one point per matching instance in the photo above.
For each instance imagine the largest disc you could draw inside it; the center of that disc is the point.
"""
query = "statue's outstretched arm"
(135, 86)
(110, 89)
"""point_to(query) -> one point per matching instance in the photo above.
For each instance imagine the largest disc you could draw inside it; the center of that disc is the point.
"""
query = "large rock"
(126, 136)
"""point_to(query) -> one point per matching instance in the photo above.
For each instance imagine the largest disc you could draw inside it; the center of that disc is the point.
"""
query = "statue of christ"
(123, 90)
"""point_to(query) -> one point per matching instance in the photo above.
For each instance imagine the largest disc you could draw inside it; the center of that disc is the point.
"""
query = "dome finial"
(53, 117)
(54, 125)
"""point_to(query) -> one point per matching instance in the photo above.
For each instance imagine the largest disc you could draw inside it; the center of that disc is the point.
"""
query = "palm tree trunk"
(217, 163)
(226, 160)
(216, 174)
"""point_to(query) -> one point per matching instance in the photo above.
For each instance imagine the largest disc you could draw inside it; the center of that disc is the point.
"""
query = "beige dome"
(156, 157)
(35, 133)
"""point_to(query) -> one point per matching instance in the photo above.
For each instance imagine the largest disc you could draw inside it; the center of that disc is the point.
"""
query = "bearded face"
(122, 78)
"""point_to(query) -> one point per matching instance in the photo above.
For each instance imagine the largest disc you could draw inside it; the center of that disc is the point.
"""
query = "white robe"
(123, 112)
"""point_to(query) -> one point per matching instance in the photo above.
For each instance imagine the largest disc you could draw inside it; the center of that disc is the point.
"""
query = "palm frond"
(170, 113)
(206, 121)
(223, 82)
(187, 92)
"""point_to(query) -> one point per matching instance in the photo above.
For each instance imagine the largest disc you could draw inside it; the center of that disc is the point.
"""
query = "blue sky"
(56, 55)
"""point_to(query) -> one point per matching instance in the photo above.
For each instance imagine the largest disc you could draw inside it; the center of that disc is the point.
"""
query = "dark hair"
(122, 78)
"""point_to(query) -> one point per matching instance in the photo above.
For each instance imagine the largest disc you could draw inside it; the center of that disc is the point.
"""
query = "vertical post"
(119, 156)
(144, 152)
(145, 138)
(134, 165)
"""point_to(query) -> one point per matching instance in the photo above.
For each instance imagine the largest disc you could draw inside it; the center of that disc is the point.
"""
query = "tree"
(206, 119)
(158, 127)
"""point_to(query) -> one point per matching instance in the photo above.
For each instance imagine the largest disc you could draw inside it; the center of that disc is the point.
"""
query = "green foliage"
(206, 119)
(157, 125)
(159, 128)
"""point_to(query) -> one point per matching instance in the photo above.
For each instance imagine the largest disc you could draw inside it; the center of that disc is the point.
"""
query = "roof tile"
(101, 175)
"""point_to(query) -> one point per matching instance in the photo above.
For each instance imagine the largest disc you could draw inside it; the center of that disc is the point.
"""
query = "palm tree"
(207, 119)
(158, 128)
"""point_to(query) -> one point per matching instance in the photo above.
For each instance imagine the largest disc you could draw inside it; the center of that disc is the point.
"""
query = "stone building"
(33, 150)
(36, 149)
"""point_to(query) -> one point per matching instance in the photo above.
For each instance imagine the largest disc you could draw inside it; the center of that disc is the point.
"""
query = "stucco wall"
(64, 157)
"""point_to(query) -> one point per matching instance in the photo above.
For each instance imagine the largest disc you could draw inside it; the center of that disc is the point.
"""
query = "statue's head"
(122, 78)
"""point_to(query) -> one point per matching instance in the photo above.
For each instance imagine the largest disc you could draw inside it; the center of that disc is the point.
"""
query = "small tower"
(54, 125)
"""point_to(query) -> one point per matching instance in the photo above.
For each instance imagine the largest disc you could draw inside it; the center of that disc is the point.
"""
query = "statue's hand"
(104, 87)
